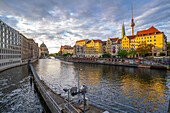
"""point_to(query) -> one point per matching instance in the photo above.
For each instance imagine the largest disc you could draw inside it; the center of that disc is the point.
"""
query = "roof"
(131, 37)
(97, 40)
(114, 39)
(81, 40)
(150, 30)
(43, 45)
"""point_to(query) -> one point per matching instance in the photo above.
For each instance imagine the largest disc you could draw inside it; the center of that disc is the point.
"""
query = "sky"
(63, 22)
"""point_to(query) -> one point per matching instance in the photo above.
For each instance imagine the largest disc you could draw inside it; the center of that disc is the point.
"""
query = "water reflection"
(114, 88)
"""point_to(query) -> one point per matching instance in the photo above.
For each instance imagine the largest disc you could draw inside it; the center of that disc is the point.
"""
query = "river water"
(16, 93)
(113, 88)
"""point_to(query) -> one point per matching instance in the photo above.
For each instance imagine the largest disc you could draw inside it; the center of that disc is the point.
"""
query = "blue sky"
(63, 22)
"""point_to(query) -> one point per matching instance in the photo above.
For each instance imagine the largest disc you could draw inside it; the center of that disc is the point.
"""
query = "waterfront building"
(104, 47)
(113, 45)
(150, 36)
(79, 48)
(25, 48)
(34, 53)
(44, 50)
(94, 48)
(10, 46)
(66, 49)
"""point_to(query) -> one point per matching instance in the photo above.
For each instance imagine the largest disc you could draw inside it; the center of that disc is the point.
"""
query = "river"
(114, 88)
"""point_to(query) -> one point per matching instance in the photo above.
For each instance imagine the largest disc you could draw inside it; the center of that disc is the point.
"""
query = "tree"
(132, 52)
(122, 53)
(67, 54)
(168, 45)
(144, 48)
(42, 54)
(162, 54)
(106, 55)
(46, 54)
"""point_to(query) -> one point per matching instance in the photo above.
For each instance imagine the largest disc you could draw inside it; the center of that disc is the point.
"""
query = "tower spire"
(123, 30)
(132, 24)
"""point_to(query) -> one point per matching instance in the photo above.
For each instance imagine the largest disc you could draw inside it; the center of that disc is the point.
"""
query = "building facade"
(79, 48)
(150, 36)
(94, 48)
(10, 46)
(15, 48)
(113, 45)
(66, 49)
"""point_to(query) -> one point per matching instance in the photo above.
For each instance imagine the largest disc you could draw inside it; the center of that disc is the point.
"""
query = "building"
(79, 48)
(34, 50)
(66, 49)
(25, 48)
(94, 48)
(104, 47)
(113, 45)
(44, 50)
(150, 36)
(10, 46)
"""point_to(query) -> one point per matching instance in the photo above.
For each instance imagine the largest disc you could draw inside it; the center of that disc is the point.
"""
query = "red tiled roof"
(150, 30)
(97, 40)
(81, 40)
(114, 39)
(131, 37)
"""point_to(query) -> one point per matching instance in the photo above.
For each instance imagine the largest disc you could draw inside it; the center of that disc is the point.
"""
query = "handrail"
(55, 105)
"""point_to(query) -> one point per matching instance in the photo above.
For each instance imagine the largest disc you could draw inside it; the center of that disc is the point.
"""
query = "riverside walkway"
(58, 104)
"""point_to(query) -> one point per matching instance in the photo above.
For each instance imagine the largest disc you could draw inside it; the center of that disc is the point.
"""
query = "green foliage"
(132, 52)
(52, 54)
(162, 54)
(144, 48)
(106, 55)
(46, 54)
(42, 54)
(168, 45)
(67, 54)
(122, 53)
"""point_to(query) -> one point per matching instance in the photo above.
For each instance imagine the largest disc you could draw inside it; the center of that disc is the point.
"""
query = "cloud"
(63, 22)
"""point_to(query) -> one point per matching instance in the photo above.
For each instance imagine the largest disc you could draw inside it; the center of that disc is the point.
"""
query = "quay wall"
(16, 65)
(138, 63)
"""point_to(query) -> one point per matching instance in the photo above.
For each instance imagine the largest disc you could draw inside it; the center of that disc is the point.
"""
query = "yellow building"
(150, 36)
(113, 45)
(94, 48)
(79, 48)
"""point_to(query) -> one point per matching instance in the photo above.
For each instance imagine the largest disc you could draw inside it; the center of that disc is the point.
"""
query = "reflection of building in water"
(92, 74)
(147, 94)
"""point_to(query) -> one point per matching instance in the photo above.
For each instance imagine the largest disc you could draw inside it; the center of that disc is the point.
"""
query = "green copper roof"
(43, 45)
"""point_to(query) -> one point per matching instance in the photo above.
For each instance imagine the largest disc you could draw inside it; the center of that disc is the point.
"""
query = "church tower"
(123, 30)
(132, 24)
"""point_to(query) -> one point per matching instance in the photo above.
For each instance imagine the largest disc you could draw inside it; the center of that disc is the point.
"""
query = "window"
(142, 37)
(154, 43)
(145, 37)
(150, 37)
(150, 40)
(154, 36)
(154, 39)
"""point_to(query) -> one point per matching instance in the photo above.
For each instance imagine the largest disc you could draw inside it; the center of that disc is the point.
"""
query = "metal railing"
(55, 105)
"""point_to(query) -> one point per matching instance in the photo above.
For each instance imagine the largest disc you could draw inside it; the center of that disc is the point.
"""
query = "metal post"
(169, 106)
(78, 85)
(68, 99)
(84, 103)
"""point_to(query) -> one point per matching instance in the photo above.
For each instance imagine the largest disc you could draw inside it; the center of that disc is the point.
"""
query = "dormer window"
(155, 32)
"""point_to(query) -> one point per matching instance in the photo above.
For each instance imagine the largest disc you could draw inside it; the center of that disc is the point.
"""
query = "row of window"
(9, 56)
(3, 33)
(4, 51)
(139, 41)
(9, 47)
(9, 63)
